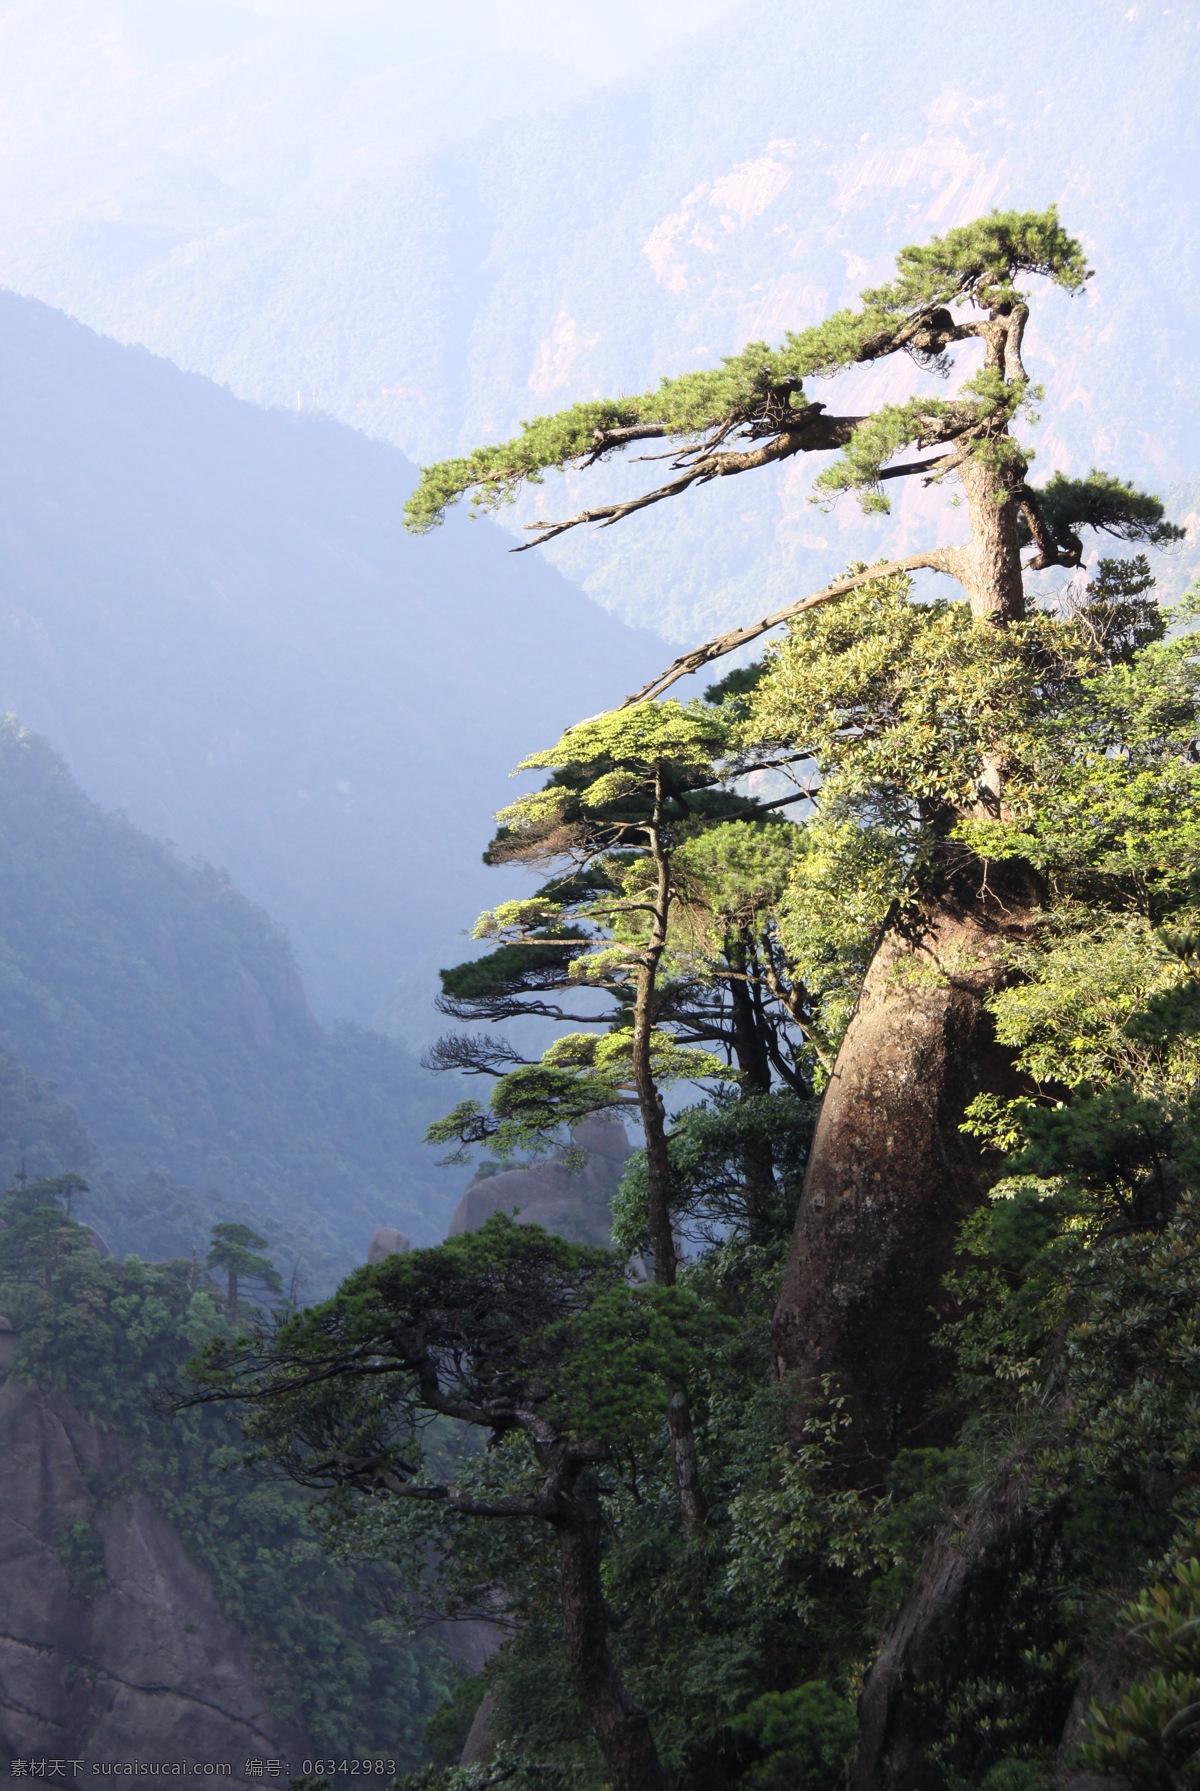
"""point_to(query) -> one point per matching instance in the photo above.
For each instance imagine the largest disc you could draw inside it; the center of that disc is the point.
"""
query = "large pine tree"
(891, 1173)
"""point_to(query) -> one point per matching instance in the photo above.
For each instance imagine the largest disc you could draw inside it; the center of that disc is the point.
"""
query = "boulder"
(387, 1241)
(574, 1201)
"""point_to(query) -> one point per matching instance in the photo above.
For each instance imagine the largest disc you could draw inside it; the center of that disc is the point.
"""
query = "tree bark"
(620, 1725)
(891, 1176)
(650, 1101)
(989, 567)
(933, 1641)
(758, 1161)
(685, 1458)
(748, 1043)
(654, 1128)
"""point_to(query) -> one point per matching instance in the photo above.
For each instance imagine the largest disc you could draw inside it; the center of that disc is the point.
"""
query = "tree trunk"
(938, 1636)
(650, 1101)
(620, 1725)
(891, 1176)
(758, 1161)
(654, 1128)
(684, 1457)
(989, 567)
(748, 1043)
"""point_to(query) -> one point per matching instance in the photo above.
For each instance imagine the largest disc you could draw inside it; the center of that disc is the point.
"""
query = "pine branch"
(818, 434)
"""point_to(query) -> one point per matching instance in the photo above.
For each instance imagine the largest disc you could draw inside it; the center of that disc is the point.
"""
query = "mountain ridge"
(164, 1019)
(214, 612)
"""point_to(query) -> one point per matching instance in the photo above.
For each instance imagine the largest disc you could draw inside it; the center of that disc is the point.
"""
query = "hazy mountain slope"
(213, 611)
(435, 288)
(166, 1010)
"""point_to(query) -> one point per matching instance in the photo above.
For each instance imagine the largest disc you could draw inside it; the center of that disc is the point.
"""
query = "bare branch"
(475, 1054)
(786, 801)
(935, 463)
(607, 440)
(791, 1001)
(513, 1006)
(815, 433)
(939, 559)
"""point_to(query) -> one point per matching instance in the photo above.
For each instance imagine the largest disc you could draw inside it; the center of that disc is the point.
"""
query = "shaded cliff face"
(112, 1644)
(574, 1202)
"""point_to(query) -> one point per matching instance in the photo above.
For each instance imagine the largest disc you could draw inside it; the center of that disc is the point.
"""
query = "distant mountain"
(156, 1037)
(214, 613)
(350, 245)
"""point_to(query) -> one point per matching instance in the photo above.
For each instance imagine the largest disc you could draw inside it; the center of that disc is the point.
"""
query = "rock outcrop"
(573, 1201)
(113, 1647)
(482, 1736)
(385, 1242)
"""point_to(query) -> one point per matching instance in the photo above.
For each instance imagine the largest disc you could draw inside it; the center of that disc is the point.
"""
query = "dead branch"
(939, 559)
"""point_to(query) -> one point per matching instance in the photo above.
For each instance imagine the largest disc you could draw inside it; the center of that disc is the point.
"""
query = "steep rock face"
(132, 1661)
(574, 1202)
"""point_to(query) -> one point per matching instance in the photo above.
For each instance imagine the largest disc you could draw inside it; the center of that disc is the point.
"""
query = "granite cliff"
(113, 1646)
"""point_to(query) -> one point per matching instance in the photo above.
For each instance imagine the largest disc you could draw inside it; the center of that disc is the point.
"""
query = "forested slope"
(212, 611)
(167, 1011)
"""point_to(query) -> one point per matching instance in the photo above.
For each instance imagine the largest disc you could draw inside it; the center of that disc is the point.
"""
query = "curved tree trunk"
(620, 1725)
(938, 1631)
(891, 1176)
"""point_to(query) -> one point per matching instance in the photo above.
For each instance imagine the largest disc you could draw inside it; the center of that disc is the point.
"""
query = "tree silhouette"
(237, 1251)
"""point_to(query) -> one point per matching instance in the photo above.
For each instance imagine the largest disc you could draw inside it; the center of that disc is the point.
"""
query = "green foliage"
(1108, 505)
(760, 389)
(448, 1727)
(1067, 741)
(1071, 1330)
(1151, 1735)
(899, 704)
(985, 406)
(979, 260)
(505, 1316)
(1110, 802)
(578, 1075)
(806, 1735)
(637, 822)
(711, 1197)
(238, 1251)
(513, 969)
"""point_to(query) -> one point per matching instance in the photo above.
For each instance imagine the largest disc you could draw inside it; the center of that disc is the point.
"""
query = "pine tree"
(238, 1251)
(628, 794)
(891, 1174)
